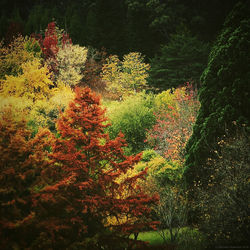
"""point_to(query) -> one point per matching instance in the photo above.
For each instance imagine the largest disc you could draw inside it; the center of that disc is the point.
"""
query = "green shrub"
(133, 117)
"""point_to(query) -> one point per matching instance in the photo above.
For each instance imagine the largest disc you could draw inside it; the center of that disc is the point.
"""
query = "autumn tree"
(164, 177)
(53, 38)
(175, 115)
(23, 158)
(19, 51)
(70, 61)
(45, 113)
(50, 42)
(83, 191)
(64, 59)
(126, 76)
(33, 82)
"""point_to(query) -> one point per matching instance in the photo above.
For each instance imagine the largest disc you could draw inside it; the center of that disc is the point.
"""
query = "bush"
(133, 117)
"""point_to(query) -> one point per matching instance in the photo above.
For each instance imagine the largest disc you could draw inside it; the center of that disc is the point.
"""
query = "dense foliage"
(224, 97)
(62, 190)
(68, 194)
(224, 94)
(181, 60)
(94, 170)
(132, 117)
(118, 25)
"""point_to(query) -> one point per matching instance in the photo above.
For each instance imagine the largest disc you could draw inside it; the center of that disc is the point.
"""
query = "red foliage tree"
(23, 157)
(53, 38)
(50, 43)
(84, 191)
(175, 125)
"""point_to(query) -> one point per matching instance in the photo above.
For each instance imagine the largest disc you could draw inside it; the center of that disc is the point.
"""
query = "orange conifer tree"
(85, 166)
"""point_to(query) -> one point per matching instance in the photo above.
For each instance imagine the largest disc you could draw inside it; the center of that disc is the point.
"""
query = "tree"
(53, 39)
(223, 204)
(133, 117)
(164, 177)
(20, 51)
(224, 95)
(175, 115)
(64, 59)
(181, 60)
(33, 83)
(83, 191)
(70, 61)
(165, 16)
(23, 158)
(127, 76)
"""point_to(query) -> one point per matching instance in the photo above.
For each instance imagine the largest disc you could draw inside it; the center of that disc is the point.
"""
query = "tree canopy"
(224, 95)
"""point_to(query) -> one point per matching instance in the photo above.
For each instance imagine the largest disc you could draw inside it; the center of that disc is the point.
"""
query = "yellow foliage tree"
(167, 98)
(42, 112)
(20, 104)
(45, 113)
(127, 76)
(33, 83)
(21, 50)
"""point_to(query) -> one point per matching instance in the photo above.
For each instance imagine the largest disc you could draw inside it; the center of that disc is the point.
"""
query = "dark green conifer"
(182, 59)
(224, 95)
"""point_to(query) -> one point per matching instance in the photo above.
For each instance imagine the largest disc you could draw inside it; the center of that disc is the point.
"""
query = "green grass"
(189, 239)
(153, 237)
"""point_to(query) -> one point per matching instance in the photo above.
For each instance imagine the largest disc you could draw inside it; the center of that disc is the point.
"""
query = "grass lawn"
(153, 237)
(189, 239)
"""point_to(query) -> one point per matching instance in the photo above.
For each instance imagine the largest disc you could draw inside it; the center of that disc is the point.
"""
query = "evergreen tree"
(139, 35)
(182, 59)
(224, 96)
